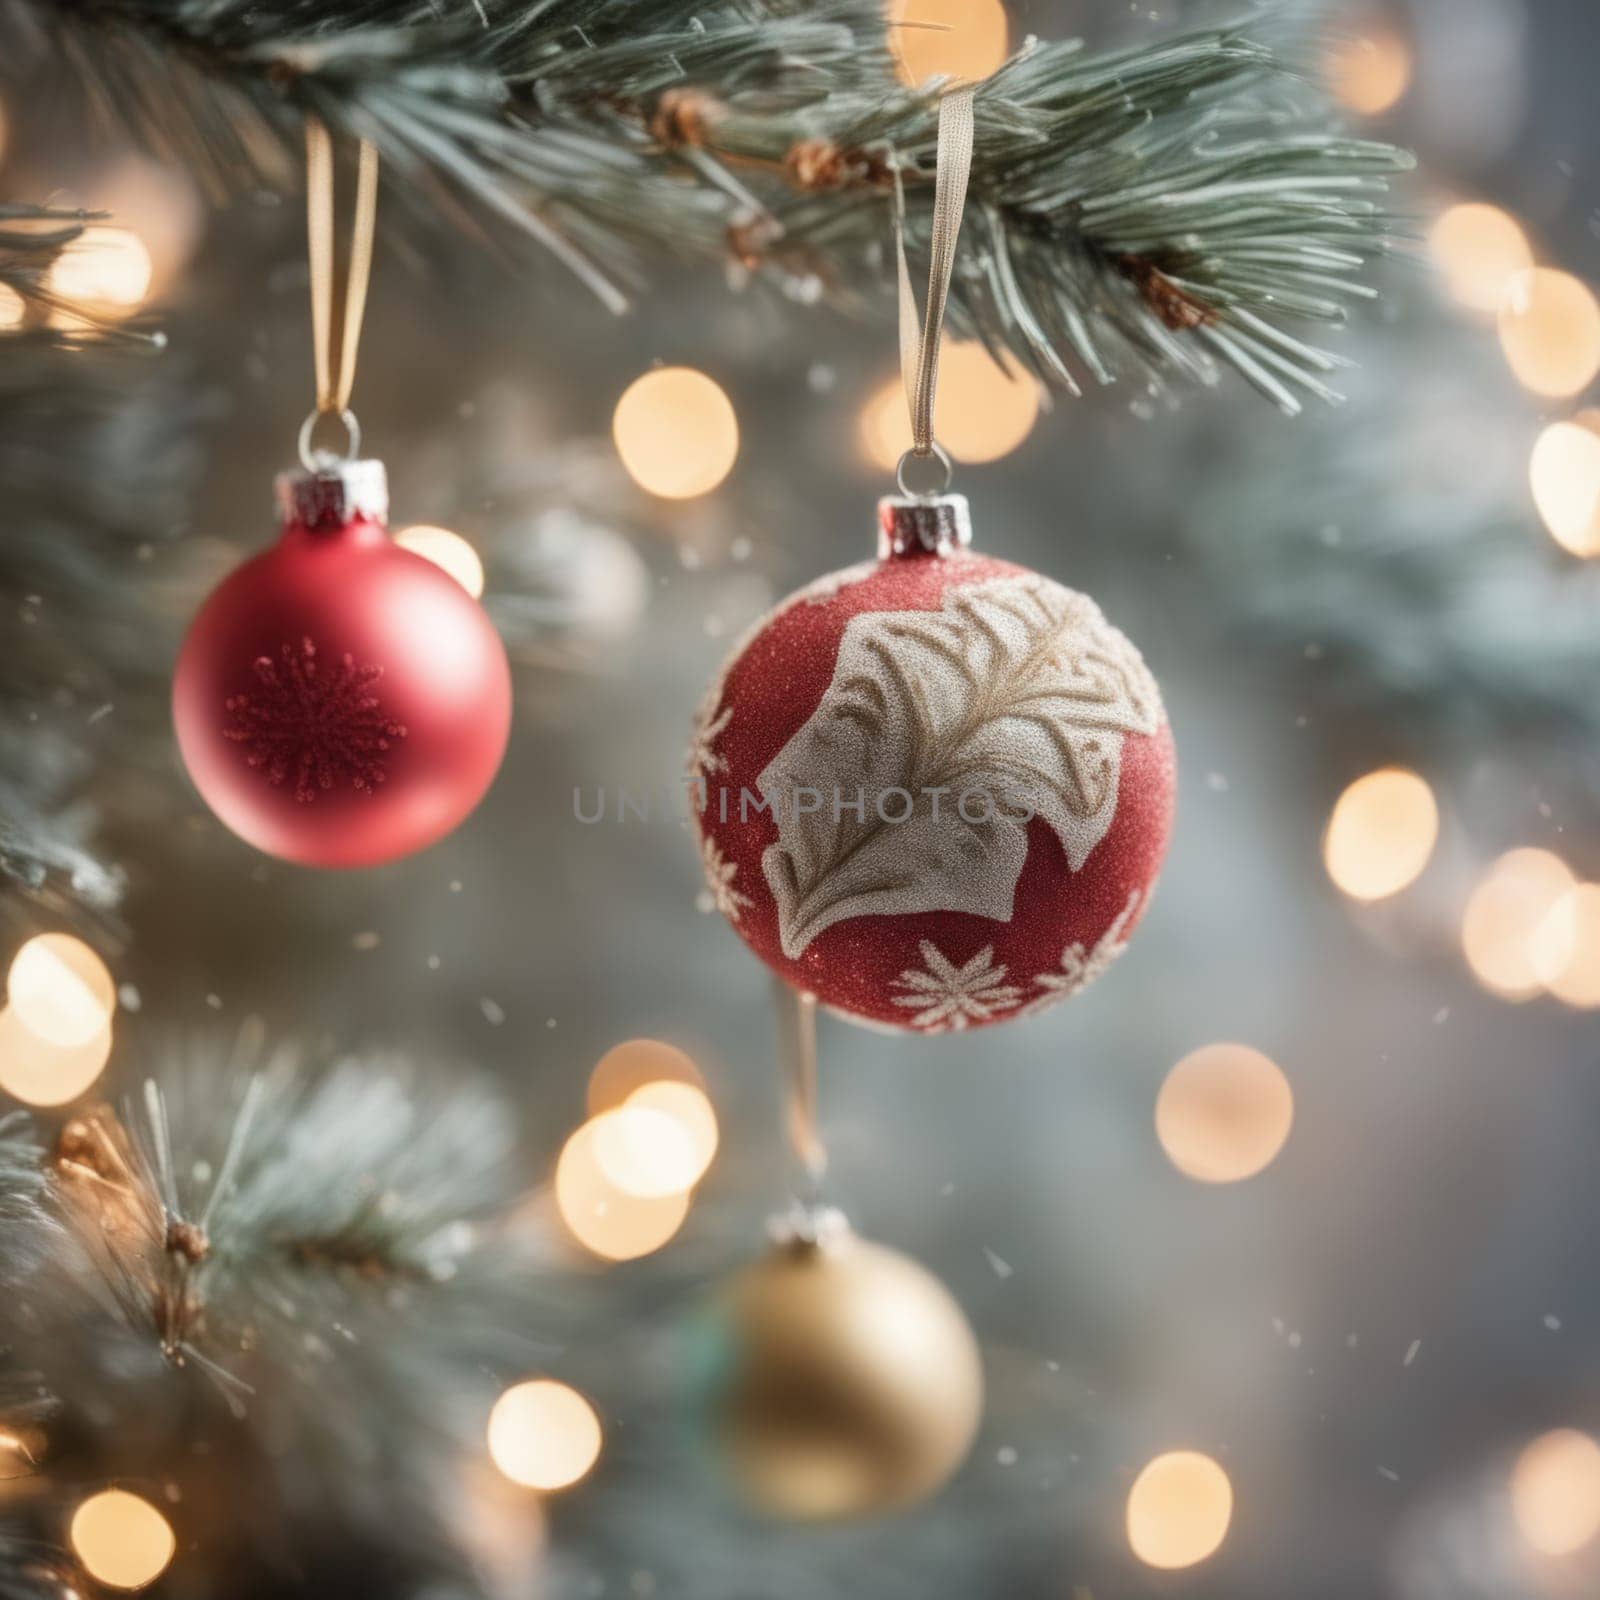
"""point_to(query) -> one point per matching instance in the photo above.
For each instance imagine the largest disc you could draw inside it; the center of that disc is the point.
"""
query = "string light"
(946, 38)
(613, 1224)
(1369, 72)
(1565, 476)
(1555, 1492)
(543, 1435)
(981, 411)
(1503, 916)
(122, 1541)
(1480, 249)
(42, 1074)
(1223, 1113)
(1178, 1510)
(60, 989)
(13, 308)
(1550, 332)
(104, 270)
(629, 1066)
(676, 432)
(1381, 834)
(446, 550)
(160, 205)
(1565, 949)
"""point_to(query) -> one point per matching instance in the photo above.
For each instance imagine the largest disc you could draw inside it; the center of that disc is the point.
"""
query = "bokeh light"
(1223, 1113)
(1565, 948)
(1503, 916)
(446, 550)
(1369, 71)
(946, 38)
(605, 1219)
(1480, 249)
(676, 432)
(1565, 475)
(1555, 1492)
(1178, 1510)
(160, 205)
(1381, 834)
(981, 412)
(122, 1541)
(644, 1152)
(13, 308)
(60, 989)
(691, 1110)
(543, 1435)
(630, 1066)
(105, 270)
(1550, 332)
(42, 1074)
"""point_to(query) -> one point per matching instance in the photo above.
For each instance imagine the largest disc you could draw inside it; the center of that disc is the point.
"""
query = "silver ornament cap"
(923, 525)
(333, 491)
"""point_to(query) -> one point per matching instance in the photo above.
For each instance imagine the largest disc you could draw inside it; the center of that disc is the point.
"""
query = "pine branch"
(257, 1281)
(1154, 212)
(32, 239)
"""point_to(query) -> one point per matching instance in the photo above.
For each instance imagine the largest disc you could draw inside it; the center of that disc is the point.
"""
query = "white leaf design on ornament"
(1080, 967)
(720, 873)
(948, 997)
(1017, 690)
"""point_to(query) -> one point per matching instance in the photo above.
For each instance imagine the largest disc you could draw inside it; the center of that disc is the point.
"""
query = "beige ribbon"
(919, 347)
(797, 1049)
(334, 383)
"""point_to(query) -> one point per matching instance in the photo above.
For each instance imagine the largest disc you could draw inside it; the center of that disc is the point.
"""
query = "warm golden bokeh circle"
(104, 270)
(628, 1067)
(982, 410)
(1369, 71)
(1504, 915)
(122, 1540)
(1555, 1492)
(1179, 1510)
(1480, 249)
(1565, 948)
(1381, 834)
(676, 432)
(1223, 1113)
(1550, 332)
(1564, 473)
(60, 990)
(947, 38)
(543, 1435)
(605, 1219)
(446, 550)
(39, 1073)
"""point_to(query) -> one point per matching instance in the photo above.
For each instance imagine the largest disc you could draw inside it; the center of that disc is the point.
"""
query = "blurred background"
(1348, 1255)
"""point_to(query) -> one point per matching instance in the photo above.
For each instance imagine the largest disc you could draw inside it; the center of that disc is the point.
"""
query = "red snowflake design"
(314, 726)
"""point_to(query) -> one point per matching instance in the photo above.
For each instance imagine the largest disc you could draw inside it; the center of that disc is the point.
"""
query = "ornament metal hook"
(318, 460)
(934, 452)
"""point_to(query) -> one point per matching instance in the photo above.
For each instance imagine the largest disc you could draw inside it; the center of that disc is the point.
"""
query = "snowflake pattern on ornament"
(313, 726)
(720, 873)
(1080, 967)
(947, 997)
(704, 762)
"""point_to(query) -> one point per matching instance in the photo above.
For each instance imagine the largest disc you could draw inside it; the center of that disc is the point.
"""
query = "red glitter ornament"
(934, 790)
(339, 701)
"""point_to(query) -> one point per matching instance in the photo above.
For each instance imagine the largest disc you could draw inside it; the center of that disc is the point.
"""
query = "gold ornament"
(847, 1380)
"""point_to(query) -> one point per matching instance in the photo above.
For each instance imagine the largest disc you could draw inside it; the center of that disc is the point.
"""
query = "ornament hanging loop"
(936, 461)
(919, 345)
(314, 460)
(336, 367)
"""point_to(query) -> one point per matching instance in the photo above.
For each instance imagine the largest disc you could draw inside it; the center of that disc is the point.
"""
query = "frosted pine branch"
(1165, 210)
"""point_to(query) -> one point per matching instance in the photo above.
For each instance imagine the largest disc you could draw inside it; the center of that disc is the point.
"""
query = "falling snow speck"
(997, 1264)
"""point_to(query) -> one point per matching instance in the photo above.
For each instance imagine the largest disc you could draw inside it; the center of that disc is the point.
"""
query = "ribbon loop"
(334, 383)
(919, 348)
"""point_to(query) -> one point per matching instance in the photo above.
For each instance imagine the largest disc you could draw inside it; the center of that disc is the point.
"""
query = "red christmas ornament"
(339, 701)
(934, 790)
